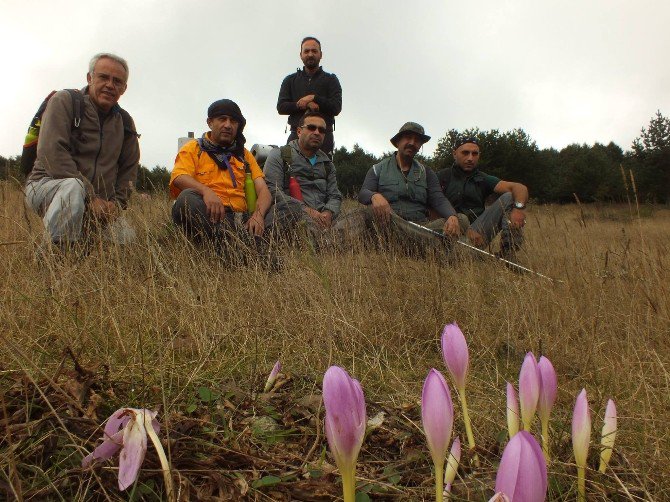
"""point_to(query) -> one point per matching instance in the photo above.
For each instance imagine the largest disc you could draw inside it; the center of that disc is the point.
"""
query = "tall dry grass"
(154, 322)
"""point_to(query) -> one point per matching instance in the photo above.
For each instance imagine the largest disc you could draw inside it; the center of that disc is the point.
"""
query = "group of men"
(85, 170)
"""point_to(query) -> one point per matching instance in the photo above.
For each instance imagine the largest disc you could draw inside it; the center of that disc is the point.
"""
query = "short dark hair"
(308, 114)
(306, 39)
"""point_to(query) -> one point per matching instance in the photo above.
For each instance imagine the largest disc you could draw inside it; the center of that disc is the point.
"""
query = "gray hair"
(113, 57)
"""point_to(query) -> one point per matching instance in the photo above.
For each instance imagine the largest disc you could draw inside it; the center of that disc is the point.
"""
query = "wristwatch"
(519, 205)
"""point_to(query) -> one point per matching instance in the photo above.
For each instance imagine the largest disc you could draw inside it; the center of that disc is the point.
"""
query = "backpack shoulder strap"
(77, 106)
(287, 160)
(444, 177)
(128, 129)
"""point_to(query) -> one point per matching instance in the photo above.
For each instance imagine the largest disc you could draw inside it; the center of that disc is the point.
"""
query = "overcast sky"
(565, 71)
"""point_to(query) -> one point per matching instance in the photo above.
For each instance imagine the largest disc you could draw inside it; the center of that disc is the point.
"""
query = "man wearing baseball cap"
(208, 181)
(399, 189)
(467, 188)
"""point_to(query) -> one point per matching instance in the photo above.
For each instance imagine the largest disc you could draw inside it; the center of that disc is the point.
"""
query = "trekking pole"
(486, 253)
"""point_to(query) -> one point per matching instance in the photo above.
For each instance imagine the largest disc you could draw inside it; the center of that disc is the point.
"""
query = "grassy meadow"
(163, 325)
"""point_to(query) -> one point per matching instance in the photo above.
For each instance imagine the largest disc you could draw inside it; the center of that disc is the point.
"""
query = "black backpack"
(29, 153)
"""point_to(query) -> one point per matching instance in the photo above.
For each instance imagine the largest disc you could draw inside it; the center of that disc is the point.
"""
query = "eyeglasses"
(312, 127)
(104, 78)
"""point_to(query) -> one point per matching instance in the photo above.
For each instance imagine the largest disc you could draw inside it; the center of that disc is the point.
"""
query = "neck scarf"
(221, 155)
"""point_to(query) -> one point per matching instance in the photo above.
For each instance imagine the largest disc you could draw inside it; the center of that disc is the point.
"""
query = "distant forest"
(586, 173)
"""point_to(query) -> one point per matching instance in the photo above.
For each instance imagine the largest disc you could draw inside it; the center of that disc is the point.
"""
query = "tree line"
(585, 172)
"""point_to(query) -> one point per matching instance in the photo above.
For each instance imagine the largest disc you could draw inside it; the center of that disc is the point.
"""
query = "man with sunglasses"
(87, 159)
(316, 200)
(311, 89)
(398, 190)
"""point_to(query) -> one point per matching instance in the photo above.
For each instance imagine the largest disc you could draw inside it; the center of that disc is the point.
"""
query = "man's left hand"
(312, 106)
(451, 227)
(304, 101)
(255, 224)
(517, 218)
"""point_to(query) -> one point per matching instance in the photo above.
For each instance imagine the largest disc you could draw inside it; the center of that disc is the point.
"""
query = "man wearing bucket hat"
(399, 189)
(208, 181)
(467, 188)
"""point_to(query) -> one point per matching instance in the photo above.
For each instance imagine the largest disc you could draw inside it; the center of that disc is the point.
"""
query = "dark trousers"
(328, 142)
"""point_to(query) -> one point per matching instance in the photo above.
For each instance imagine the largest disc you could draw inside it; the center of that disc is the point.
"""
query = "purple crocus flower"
(437, 417)
(126, 431)
(608, 435)
(522, 474)
(529, 390)
(452, 464)
(344, 423)
(547, 398)
(581, 437)
(455, 354)
(272, 378)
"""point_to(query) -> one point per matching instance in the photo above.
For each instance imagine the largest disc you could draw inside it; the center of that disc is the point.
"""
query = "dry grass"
(153, 323)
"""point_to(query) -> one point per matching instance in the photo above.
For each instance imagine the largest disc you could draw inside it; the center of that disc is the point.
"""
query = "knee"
(506, 199)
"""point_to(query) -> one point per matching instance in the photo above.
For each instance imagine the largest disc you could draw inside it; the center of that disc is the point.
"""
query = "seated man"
(399, 190)
(302, 178)
(85, 168)
(467, 188)
(208, 182)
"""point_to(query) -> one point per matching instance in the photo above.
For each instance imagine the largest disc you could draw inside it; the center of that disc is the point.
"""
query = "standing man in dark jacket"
(86, 169)
(311, 89)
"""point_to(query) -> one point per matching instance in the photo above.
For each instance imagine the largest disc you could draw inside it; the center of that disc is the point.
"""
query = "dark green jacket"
(467, 192)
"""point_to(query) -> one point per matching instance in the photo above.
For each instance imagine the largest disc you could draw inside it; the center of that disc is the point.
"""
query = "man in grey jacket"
(302, 178)
(84, 171)
(398, 190)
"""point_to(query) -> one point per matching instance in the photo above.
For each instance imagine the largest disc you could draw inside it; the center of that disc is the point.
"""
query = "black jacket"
(327, 94)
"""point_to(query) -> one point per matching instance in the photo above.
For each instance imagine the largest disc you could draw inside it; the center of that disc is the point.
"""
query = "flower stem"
(545, 439)
(439, 481)
(167, 477)
(581, 484)
(349, 484)
(468, 426)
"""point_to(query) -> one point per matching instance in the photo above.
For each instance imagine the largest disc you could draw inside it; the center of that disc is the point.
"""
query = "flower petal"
(512, 411)
(455, 354)
(608, 435)
(117, 421)
(437, 414)
(581, 429)
(452, 463)
(134, 449)
(272, 377)
(548, 388)
(106, 450)
(529, 389)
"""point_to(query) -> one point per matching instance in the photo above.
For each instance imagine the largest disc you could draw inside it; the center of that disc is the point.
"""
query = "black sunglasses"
(312, 127)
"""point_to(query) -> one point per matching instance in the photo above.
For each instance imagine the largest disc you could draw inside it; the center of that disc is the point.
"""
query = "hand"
(103, 210)
(256, 224)
(381, 208)
(326, 219)
(215, 208)
(452, 227)
(313, 106)
(475, 238)
(304, 101)
(517, 218)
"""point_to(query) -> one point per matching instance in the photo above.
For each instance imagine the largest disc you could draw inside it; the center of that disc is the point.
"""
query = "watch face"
(519, 205)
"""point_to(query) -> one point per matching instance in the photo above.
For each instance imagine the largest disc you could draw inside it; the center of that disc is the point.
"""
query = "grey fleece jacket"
(99, 154)
(319, 191)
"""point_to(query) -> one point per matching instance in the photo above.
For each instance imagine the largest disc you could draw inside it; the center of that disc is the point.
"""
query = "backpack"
(287, 160)
(29, 152)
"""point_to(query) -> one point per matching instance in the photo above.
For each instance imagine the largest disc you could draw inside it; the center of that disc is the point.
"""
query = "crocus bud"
(548, 388)
(522, 473)
(272, 378)
(437, 414)
(581, 429)
(608, 435)
(344, 423)
(512, 411)
(455, 354)
(529, 390)
(453, 460)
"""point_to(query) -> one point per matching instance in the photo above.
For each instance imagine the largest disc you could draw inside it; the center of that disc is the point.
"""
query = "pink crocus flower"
(581, 437)
(437, 417)
(272, 378)
(608, 435)
(126, 430)
(529, 390)
(522, 474)
(512, 411)
(345, 424)
(547, 398)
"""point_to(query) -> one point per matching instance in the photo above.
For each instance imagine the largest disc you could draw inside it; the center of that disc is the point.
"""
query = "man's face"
(224, 129)
(310, 53)
(312, 133)
(107, 83)
(466, 156)
(409, 144)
